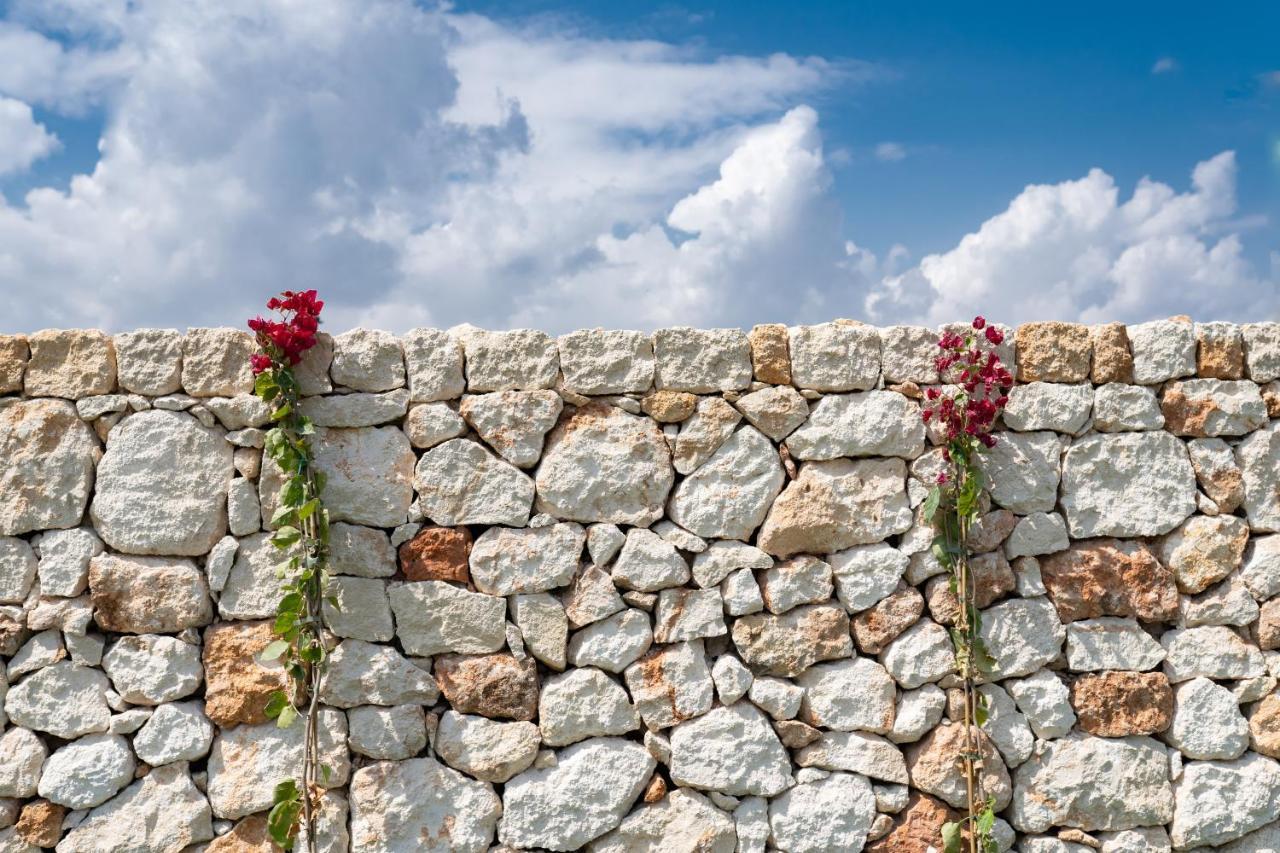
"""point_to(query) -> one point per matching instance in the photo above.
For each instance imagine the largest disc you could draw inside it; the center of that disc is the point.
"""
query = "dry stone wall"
(625, 592)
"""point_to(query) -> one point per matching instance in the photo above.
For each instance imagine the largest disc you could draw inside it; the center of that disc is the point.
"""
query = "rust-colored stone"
(1269, 625)
(237, 684)
(495, 686)
(1264, 726)
(771, 353)
(917, 828)
(877, 627)
(1184, 415)
(248, 836)
(794, 734)
(40, 823)
(1109, 577)
(1053, 352)
(1119, 704)
(935, 767)
(437, 554)
(656, 789)
(1112, 358)
(14, 353)
(1271, 396)
(1219, 351)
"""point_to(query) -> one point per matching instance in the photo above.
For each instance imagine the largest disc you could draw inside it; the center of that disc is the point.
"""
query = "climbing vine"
(965, 415)
(302, 534)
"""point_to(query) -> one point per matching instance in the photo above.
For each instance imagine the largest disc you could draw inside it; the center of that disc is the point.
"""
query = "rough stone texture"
(65, 699)
(142, 595)
(836, 504)
(175, 732)
(770, 353)
(359, 673)
(1217, 473)
(495, 686)
(1206, 722)
(1127, 484)
(517, 360)
(1093, 784)
(437, 554)
(507, 562)
(787, 645)
(14, 353)
(1212, 651)
(871, 423)
(920, 654)
(1162, 350)
(602, 464)
(834, 813)
(1203, 551)
(429, 424)
(848, 695)
(1219, 351)
(701, 361)
(87, 772)
(1053, 352)
(149, 361)
(671, 684)
(1094, 645)
(47, 458)
(774, 410)
(1022, 635)
(70, 364)
(1258, 456)
(596, 361)
(935, 767)
(215, 362)
(367, 360)
(433, 617)
(1262, 350)
(1049, 406)
(433, 365)
(420, 804)
(162, 812)
(916, 827)
(1212, 407)
(162, 485)
(513, 422)
(460, 482)
(684, 821)
(1023, 471)
(729, 495)
(580, 704)
(488, 750)
(732, 751)
(589, 790)
(151, 670)
(1126, 408)
(837, 356)
(1118, 704)
(1109, 577)
(238, 685)
(1219, 801)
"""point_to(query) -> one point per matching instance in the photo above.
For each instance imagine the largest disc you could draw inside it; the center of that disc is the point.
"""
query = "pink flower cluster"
(286, 340)
(984, 379)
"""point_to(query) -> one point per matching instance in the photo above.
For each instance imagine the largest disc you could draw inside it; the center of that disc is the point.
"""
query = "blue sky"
(987, 98)
(570, 164)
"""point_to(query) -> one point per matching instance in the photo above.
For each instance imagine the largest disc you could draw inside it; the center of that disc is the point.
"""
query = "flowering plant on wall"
(302, 532)
(965, 415)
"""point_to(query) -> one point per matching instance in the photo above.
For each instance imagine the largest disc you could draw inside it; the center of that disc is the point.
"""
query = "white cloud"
(1165, 65)
(420, 167)
(891, 152)
(23, 140)
(1074, 251)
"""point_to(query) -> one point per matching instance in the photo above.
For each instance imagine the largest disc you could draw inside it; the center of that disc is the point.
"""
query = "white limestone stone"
(1036, 534)
(1262, 350)
(688, 614)
(66, 700)
(1022, 471)
(832, 814)
(701, 361)
(855, 752)
(671, 684)
(149, 361)
(612, 643)
(702, 433)
(460, 482)
(162, 812)
(147, 595)
(543, 627)
(1206, 722)
(1007, 728)
(429, 424)
(178, 731)
(360, 551)
(393, 733)
(835, 356)
(866, 574)
(516, 360)
(598, 361)
(917, 712)
(1162, 350)
(581, 704)
(1261, 569)
(508, 562)
(729, 495)
(351, 411)
(741, 593)
(151, 669)
(1022, 635)
(513, 422)
(363, 611)
(64, 560)
(1118, 407)
(486, 749)
(47, 458)
(87, 772)
(433, 365)
(1258, 456)
(367, 360)
(420, 805)
(648, 563)
(433, 617)
(683, 820)
(848, 695)
(732, 750)
(1046, 703)
(1212, 651)
(1220, 801)
(775, 410)
(1049, 406)
(732, 679)
(1127, 484)
(871, 423)
(17, 569)
(360, 673)
(23, 755)
(724, 557)
(777, 697)
(919, 655)
(1111, 643)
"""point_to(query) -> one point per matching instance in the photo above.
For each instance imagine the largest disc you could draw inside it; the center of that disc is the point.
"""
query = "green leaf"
(981, 715)
(326, 771)
(282, 821)
(931, 502)
(282, 412)
(276, 703)
(273, 651)
(282, 514)
(286, 536)
(307, 509)
(287, 715)
(951, 837)
(986, 821)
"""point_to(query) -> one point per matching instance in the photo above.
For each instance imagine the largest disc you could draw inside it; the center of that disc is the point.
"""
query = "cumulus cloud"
(22, 139)
(423, 167)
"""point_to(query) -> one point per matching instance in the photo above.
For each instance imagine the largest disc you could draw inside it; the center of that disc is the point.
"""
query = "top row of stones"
(842, 355)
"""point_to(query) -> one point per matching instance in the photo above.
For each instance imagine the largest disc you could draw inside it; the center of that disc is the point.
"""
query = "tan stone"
(1053, 352)
(1264, 726)
(1269, 625)
(237, 684)
(1219, 351)
(495, 686)
(47, 457)
(148, 595)
(215, 362)
(875, 628)
(248, 836)
(935, 768)
(655, 790)
(1108, 577)
(993, 579)
(789, 644)
(917, 828)
(795, 734)
(770, 353)
(14, 353)
(70, 363)
(991, 530)
(1112, 358)
(437, 554)
(1119, 704)
(1271, 396)
(1203, 550)
(40, 824)
(669, 407)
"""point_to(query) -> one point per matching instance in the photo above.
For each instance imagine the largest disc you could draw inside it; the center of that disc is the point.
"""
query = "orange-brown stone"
(875, 628)
(248, 836)
(1053, 352)
(1112, 358)
(237, 684)
(40, 823)
(495, 686)
(917, 828)
(1264, 726)
(1109, 577)
(771, 353)
(1119, 704)
(1219, 351)
(669, 407)
(437, 554)
(1269, 625)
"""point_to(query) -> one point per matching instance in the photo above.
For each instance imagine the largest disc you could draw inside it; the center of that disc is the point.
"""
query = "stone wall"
(634, 592)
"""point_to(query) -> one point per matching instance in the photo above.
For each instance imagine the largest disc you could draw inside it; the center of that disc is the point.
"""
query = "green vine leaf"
(951, 837)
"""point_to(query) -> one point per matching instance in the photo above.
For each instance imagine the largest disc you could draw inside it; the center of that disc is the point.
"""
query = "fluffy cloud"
(1074, 250)
(22, 139)
(421, 167)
